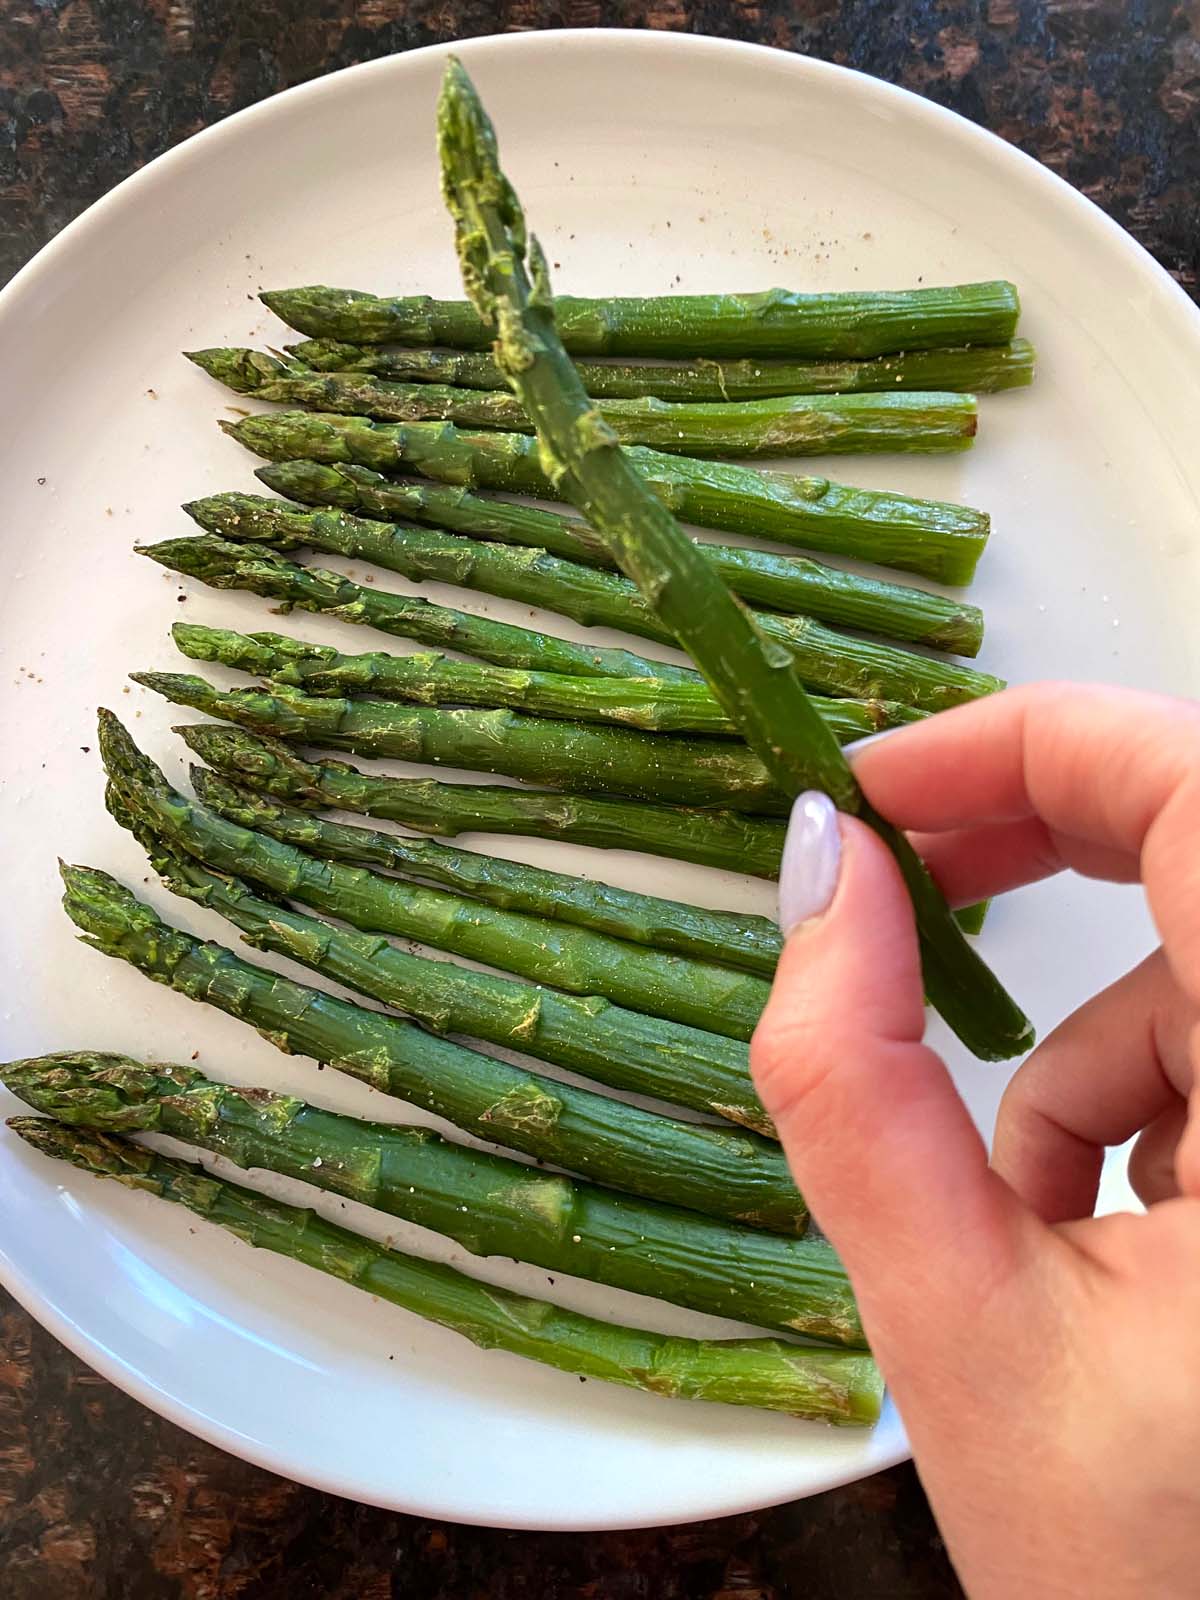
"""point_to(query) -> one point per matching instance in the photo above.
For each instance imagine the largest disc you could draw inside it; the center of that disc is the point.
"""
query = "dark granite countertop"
(100, 1499)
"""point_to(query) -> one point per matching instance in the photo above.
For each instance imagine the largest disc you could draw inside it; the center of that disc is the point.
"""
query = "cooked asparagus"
(653, 705)
(829, 661)
(779, 582)
(619, 1048)
(931, 537)
(727, 839)
(839, 1386)
(789, 425)
(724, 1172)
(755, 682)
(775, 322)
(970, 369)
(490, 1205)
(702, 995)
(731, 939)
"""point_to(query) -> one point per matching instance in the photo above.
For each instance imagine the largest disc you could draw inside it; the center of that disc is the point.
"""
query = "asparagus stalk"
(781, 583)
(655, 705)
(828, 661)
(931, 537)
(969, 369)
(775, 322)
(704, 996)
(619, 1048)
(750, 943)
(227, 565)
(488, 1204)
(726, 839)
(790, 425)
(724, 1172)
(755, 682)
(838, 1386)
(642, 766)
(732, 939)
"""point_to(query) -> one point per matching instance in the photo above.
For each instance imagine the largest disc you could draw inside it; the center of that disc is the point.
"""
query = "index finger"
(1115, 769)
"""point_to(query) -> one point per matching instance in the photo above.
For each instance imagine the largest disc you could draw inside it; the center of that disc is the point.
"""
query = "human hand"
(1046, 1362)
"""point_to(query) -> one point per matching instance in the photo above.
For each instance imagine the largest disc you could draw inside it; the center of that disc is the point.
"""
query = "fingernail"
(851, 750)
(812, 858)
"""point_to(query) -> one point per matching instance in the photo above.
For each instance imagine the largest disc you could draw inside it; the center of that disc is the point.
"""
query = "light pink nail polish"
(812, 858)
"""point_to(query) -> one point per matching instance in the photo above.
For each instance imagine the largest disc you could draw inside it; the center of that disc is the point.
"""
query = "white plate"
(646, 160)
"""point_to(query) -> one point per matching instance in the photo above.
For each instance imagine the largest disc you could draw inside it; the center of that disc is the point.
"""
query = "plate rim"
(172, 163)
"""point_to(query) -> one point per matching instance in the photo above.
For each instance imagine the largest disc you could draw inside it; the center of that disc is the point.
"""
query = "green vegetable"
(724, 1172)
(830, 1385)
(779, 582)
(701, 995)
(931, 537)
(227, 565)
(729, 938)
(970, 369)
(619, 1048)
(655, 705)
(643, 766)
(755, 681)
(828, 661)
(790, 425)
(775, 322)
(726, 839)
(488, 1204)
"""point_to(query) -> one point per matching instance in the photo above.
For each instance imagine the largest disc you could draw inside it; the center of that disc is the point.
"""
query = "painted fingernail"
(812, 858)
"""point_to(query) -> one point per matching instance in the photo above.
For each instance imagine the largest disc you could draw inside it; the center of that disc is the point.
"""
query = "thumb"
(877, 1137)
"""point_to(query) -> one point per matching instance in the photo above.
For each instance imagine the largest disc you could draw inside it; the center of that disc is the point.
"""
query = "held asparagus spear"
(732, 939)
(931, 537)
(838, 1386)
(791, 425)
(773, 323)
(703, 996)
(756, 683)
(619, 1048)
(724, 1172)
(653, 705)
(970, 369)
(828, 661)
(779, 582)
(490, 1205)
(726, 839)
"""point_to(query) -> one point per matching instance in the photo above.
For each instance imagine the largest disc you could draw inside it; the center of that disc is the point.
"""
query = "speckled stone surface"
(99, 1499)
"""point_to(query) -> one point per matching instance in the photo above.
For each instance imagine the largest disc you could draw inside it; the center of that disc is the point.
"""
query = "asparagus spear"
(643, 766)
(755, 682)
(838, 1386)
(970, 369)
(228, 565)
(732, 939)
(745, 941)
(775, 322)
(827, 660)
(701, 995)
(724, 1172)
(655, 705)
(781, 583)
(931, 537)
(725, 839)
(488, 1204)
(791, 425)
(621, 1049)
